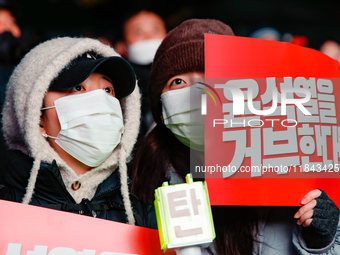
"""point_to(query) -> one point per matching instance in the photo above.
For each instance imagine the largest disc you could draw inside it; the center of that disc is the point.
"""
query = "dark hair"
(159, 149)
(236, 228)
(128, 15)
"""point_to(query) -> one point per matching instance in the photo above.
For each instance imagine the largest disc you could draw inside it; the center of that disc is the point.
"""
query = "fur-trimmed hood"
(26, 89)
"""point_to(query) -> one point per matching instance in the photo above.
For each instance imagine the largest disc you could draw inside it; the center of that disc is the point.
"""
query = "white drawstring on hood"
(26, 90)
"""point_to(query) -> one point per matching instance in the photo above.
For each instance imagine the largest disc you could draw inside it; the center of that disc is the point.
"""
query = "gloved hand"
(319, 216)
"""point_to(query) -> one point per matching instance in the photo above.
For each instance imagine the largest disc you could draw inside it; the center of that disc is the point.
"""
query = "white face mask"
(143, 52)
(181, 110)
(91, 125)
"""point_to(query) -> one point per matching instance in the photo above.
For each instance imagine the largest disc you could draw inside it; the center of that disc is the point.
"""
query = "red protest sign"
(276, 158)
(27, 229)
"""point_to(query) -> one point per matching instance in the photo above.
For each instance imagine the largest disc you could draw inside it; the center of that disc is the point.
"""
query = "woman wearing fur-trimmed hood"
(38, 172)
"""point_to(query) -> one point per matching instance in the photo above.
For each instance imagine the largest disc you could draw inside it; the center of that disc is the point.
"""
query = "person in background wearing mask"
(165, 155)
(143, 32)
(70, 120)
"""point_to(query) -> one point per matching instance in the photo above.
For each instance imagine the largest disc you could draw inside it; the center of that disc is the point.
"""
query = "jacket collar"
(49, 185)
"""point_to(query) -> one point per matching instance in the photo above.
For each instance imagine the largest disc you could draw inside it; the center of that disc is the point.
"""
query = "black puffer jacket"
(51, 192)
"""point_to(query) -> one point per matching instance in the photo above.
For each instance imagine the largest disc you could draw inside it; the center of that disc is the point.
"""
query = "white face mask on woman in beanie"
(181, 110)
(91, 125)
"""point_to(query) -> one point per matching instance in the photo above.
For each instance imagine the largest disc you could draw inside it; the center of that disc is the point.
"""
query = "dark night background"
(318, 20)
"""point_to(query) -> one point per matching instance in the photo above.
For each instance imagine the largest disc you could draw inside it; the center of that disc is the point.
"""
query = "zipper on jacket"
(105, 193)
(62, 189)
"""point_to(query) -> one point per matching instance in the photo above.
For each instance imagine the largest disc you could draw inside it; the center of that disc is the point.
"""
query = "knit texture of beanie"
(181, 51)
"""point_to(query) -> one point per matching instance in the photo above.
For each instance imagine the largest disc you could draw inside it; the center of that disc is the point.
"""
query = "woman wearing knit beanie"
(70, 120)
(179, 58)
(167, 151)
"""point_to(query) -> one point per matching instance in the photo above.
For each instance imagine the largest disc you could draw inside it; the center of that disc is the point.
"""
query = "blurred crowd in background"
(24, 24)
(301, 21)
(314, 19)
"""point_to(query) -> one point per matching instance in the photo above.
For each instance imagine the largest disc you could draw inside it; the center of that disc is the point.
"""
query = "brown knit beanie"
(181, 51)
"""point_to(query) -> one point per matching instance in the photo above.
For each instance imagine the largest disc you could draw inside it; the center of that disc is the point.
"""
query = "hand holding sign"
(305, 213)
(319, 215)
